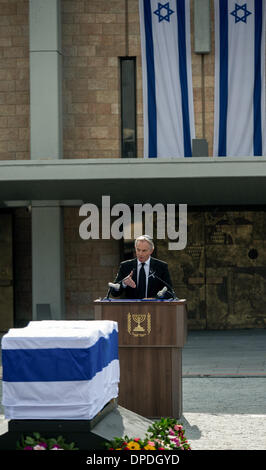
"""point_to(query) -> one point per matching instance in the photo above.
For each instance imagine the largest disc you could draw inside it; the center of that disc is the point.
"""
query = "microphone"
(114, 286)
(161, 292)
(168, 287)
(111, 286)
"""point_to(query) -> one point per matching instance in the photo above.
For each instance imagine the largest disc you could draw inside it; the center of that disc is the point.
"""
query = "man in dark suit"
(143, 276)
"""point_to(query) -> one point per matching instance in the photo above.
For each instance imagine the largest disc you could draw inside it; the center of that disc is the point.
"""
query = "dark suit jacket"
(159, 268)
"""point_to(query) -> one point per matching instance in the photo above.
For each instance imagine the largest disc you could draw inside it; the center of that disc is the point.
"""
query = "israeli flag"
(167, 78)
(60, 369)
(239, 120)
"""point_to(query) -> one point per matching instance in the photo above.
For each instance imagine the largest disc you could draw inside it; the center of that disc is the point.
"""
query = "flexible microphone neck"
(172, 292)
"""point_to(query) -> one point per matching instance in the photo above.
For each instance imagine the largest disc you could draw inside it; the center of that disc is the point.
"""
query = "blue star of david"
(168, 13)
(242, 8)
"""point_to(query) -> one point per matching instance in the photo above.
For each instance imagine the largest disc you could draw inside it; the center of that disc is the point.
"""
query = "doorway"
(6, 272)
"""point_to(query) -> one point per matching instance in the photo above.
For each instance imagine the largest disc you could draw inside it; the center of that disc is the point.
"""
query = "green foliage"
(37, 442)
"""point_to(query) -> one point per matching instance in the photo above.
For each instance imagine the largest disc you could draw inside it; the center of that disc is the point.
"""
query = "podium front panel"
(151, 336)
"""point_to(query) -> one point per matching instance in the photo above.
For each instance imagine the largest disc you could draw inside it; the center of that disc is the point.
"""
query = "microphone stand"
(170, 291)
(108, 295)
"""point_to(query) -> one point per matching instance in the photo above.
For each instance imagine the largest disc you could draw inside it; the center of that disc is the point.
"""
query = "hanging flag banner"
(167, 78)
(239, 117)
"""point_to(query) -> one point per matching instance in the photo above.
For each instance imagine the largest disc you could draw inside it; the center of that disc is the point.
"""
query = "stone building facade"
(222, 270)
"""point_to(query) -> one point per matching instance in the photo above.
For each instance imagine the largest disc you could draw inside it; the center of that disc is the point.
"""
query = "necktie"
(142, 283)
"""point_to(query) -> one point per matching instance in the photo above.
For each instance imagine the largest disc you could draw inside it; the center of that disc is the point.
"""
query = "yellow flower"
(148, 447)
(133, 445)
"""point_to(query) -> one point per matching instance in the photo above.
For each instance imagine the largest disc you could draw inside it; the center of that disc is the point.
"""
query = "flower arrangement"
(166, 434)
(37, 442)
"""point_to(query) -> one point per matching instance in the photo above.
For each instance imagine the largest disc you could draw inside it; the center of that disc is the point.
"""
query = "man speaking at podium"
(143, 276)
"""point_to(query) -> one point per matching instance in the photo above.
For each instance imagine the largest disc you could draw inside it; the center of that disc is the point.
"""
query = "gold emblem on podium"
(139, 324)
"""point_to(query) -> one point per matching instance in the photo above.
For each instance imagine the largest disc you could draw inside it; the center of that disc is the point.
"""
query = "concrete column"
(47, 258)
(46, 143)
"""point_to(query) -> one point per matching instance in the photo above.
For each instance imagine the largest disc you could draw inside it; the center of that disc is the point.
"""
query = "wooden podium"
(152, 334)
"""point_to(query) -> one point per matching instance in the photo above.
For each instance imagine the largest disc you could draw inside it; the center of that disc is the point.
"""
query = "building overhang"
(192, 181)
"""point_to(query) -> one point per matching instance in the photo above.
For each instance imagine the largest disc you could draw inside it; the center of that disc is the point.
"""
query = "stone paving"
(224, 390)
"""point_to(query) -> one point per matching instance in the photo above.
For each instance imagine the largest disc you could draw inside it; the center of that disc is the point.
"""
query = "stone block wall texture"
(14, 80)
(95, 33)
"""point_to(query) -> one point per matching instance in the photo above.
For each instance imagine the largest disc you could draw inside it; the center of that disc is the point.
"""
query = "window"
(128, 107)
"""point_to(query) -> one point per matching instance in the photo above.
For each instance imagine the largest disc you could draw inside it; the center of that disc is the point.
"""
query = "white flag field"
(239, 121)
(167, 78)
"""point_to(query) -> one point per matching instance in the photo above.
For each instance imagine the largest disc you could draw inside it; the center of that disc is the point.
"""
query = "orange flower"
(149, 447)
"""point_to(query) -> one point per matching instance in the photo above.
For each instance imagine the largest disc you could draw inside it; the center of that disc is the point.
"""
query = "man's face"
(143, 250)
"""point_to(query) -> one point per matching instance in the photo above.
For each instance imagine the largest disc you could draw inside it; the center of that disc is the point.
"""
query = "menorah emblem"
(138, 318)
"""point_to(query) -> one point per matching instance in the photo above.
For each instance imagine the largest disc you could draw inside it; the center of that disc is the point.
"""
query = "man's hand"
(128, 281)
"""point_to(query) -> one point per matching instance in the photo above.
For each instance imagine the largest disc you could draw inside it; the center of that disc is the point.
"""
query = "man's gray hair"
(145, 238)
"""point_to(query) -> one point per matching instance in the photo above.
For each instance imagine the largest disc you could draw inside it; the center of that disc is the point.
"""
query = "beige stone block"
(209, 81)
(101, 108)
(23, 109)
(22, 155)
(107, 96)
(112, 61)
(81, 96)
(3, 145)
(8, 134)
(8, 74)
(3, 121)
(19, 20)
(72, 7)
(75, 62)
(7, 156)
(105, 18)
(5, 42)
(86, 51)
(97, 84)
(90, 28)
(82, 133)
(22, 85)
(70, 51)
(108, 144)
(115, 50)
(113, 29)
(7, 109)
(84, 120)
(84, 18)
(8, 8)
(76, 108)
(7, 85)
(18, 145)
(115, 108)
(18, 121)
(84, 40)
(15, 52)
(70, 29)
(96, 62)
(24, 133)
(76, 84)
(107, 120)
(99, 132)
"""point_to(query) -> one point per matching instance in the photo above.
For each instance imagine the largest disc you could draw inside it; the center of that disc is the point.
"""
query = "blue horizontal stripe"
(56, 365)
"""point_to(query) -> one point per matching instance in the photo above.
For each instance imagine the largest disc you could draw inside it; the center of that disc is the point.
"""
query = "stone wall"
(222, 271)
(14, 80)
